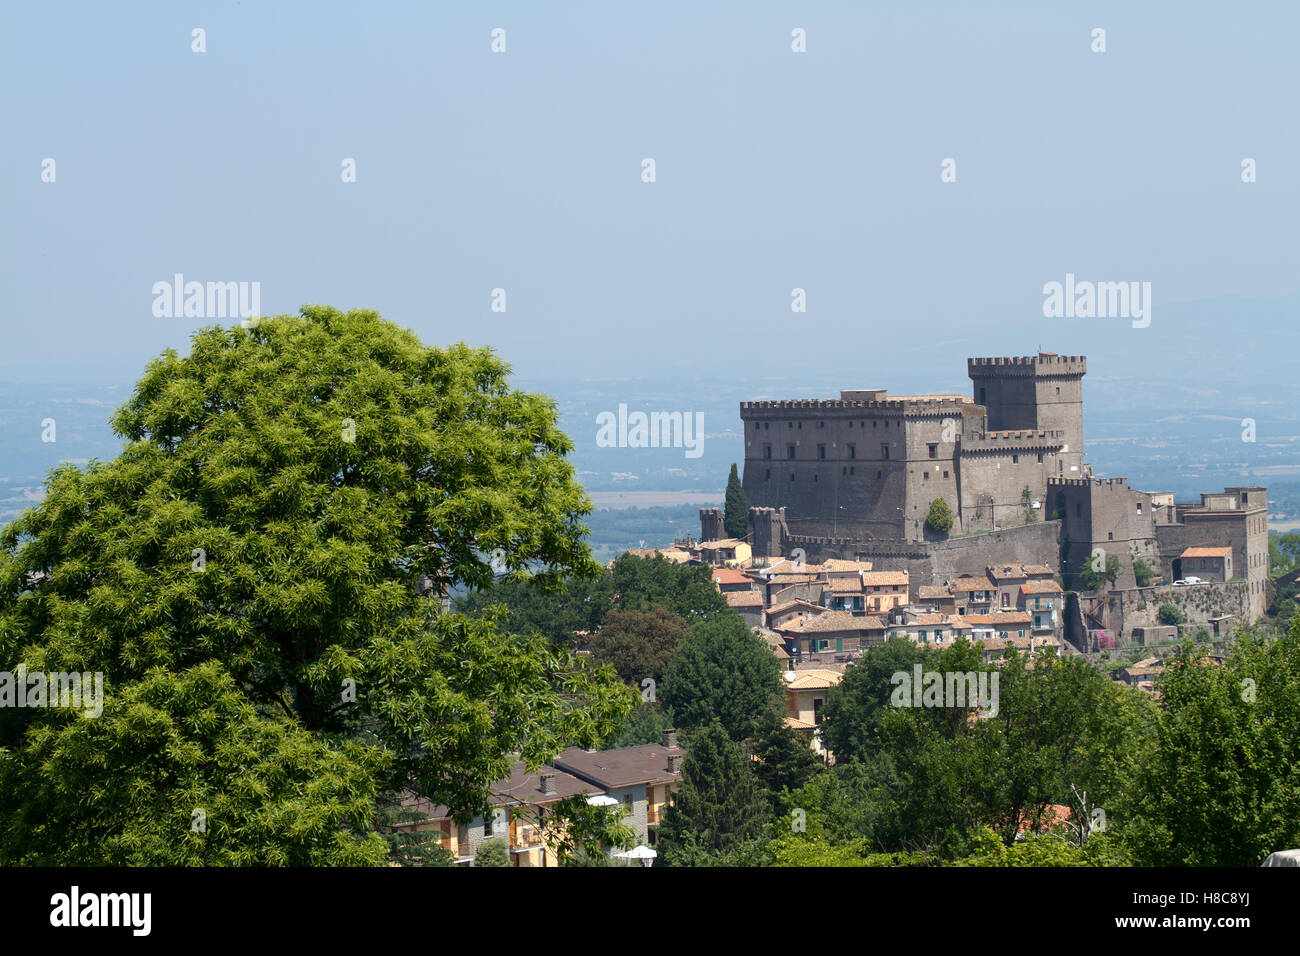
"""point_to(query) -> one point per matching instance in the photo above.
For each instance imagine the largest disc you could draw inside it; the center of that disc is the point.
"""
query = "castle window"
(1139, 507)
(767, 451)
(853, 452)
(945, 474)
(1015, 459)
(789, 451)
(821, 424)
(814, 478)
(769, 474)
(792, 476)
(821, 451)
(850, 469)
(879, 475)
(884, 451)
(766, 425)
(1058, 390)
(1078, 510)
(925, 475)
(1110, 535)
(934, 450)
(801, 426)
(1040, 457)
(873, 423)
(983, 396)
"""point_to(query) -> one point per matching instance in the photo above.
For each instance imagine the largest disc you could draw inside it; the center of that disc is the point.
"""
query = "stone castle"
(855, 477)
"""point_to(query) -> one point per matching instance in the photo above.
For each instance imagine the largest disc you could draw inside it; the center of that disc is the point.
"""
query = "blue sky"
(521, 170)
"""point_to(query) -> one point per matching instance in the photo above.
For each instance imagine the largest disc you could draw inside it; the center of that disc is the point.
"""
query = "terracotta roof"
(1000, 618)
(672, 553)
(790, 605)
(1040, 587)
(744, 599)
(884, 578)
(1036, 570)
(836, 621)
(720, 543)
(794, 723)
(730, 576)
(840, 564)
(927, 591)
(996, 571)
(777, 645)
(954, 621)
(1206, 553)
(845, 585)
(963, 585)
(814, 678)
(801, 578)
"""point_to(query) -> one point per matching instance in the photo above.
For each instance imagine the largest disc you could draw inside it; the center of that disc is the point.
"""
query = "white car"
(1180, 583)
(1191, 580)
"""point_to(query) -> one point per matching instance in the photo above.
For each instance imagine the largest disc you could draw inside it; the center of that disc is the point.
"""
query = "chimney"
(675, 763)
(670, 738)
(547, 778)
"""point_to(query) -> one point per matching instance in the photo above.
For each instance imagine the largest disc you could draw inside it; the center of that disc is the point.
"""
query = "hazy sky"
(522, 170)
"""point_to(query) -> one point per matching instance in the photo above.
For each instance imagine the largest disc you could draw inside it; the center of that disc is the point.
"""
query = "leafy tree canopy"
(283, 494)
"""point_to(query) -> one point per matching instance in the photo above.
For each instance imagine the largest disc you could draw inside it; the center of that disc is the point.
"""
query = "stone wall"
(1126, 609)
(937, 561)
(1104, 514)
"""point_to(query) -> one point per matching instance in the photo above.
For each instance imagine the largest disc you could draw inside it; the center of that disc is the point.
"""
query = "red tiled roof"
(1206, 553)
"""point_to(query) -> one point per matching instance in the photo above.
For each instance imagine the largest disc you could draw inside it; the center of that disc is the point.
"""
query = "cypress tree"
(735, 519)
(720, 804)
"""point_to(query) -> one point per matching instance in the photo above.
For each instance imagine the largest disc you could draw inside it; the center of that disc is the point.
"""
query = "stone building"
(855, 477)
(867, 465)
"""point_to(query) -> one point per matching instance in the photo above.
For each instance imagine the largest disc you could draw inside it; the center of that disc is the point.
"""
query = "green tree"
(1169, 614)
(939, 520)
(646, 726)
(638, 644)
(1222, 786)
(492, 853)
(1142, 572)
(1097, 574)
(409, 847)
(723, 672)
(581, 833)
(283, 494)
(735, 519)
(785, 761)
(719, 806)
(855, 706)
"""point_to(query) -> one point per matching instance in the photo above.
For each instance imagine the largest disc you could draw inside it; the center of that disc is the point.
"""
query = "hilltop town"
(851, 483)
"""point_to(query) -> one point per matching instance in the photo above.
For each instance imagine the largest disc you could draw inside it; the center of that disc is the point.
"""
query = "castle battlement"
(1087, 482)
(893, 404)
(1044, 363)
(1013, 440)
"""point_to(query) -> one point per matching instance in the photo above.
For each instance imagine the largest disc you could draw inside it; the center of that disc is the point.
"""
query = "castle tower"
(1043, 391)
(711, 524)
